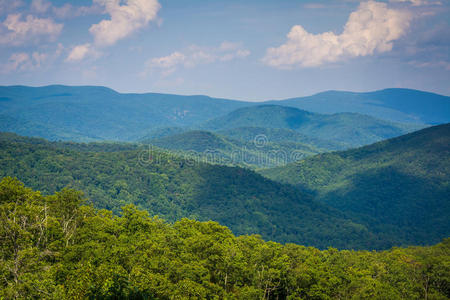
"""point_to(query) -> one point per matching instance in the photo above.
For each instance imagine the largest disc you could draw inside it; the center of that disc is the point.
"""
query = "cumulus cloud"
(125, 19)
(81, 52)
(167, 64)
(16, 31)
(23, 62)
(371, 29)
(69, 11)
(441, 64)
(417, 2)
(65, 11)
(195, 55)
(40, 6)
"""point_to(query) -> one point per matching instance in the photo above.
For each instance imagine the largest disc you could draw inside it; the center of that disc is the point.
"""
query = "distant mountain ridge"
(93, 113)
(90, 113)
(350, 129)
(397, 105)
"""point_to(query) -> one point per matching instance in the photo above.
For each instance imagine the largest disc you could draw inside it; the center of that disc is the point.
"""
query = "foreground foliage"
(53, 248)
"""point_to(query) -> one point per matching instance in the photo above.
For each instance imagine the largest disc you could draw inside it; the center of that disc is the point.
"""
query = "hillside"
(61, 249)
(349, 129)
(278, 136)
(88, 113)
(403, 182)
(214, 148)
(396, 105)
(173, 188)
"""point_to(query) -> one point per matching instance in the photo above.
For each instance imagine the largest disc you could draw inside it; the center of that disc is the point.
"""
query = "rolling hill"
(219, 149)
(403, 182)
(396, 105)
(95, 113)
(172, 188)
(89, 113)
(348, 129)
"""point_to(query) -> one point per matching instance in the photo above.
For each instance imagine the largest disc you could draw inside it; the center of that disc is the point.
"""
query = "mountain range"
(89, 113)
(158, 147)
(391, 193)
(349, 129)
(396, 105)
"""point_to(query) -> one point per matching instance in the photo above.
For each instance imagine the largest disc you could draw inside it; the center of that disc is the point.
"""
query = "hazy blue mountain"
(349, 129)
(402, 182)
(97, 113)
(278, 136)
(216, 148)
(397, 105)
(89, 113)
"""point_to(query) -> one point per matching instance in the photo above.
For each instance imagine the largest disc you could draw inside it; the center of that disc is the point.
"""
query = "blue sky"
(252, 50)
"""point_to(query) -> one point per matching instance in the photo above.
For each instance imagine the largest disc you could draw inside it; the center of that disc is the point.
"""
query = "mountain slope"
(403, 182)
(195, 140)
(278, 136)
(88, 113)
(173, 188)
(214, 148)
(349, 129)
(397, 105)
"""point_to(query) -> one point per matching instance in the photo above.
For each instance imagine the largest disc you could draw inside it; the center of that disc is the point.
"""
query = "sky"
(249, 50)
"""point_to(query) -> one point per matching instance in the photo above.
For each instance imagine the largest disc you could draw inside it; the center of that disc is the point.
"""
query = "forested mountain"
(97, 113)
(397, 105)
(53, 248)
(252, 152)
(173, 188)
(402, 182)
(346, 128)
(278, 136)
(89, 113)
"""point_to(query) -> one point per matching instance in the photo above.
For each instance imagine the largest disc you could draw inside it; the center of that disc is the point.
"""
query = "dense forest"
(172, 187)
(54, 247)
(403, 182)
(349, 129)
(257, 152)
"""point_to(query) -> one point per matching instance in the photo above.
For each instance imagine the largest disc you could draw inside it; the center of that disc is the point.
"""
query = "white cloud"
(441, 64)
(371, 29)
(167, 64)
(125, 19)
(195, 55)
(81, 52)
(417, 2)
(16, 31)
(65, 11)
(69, 11)
(39, 58)
(40, 6)
(23, 62)
(15, 62)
